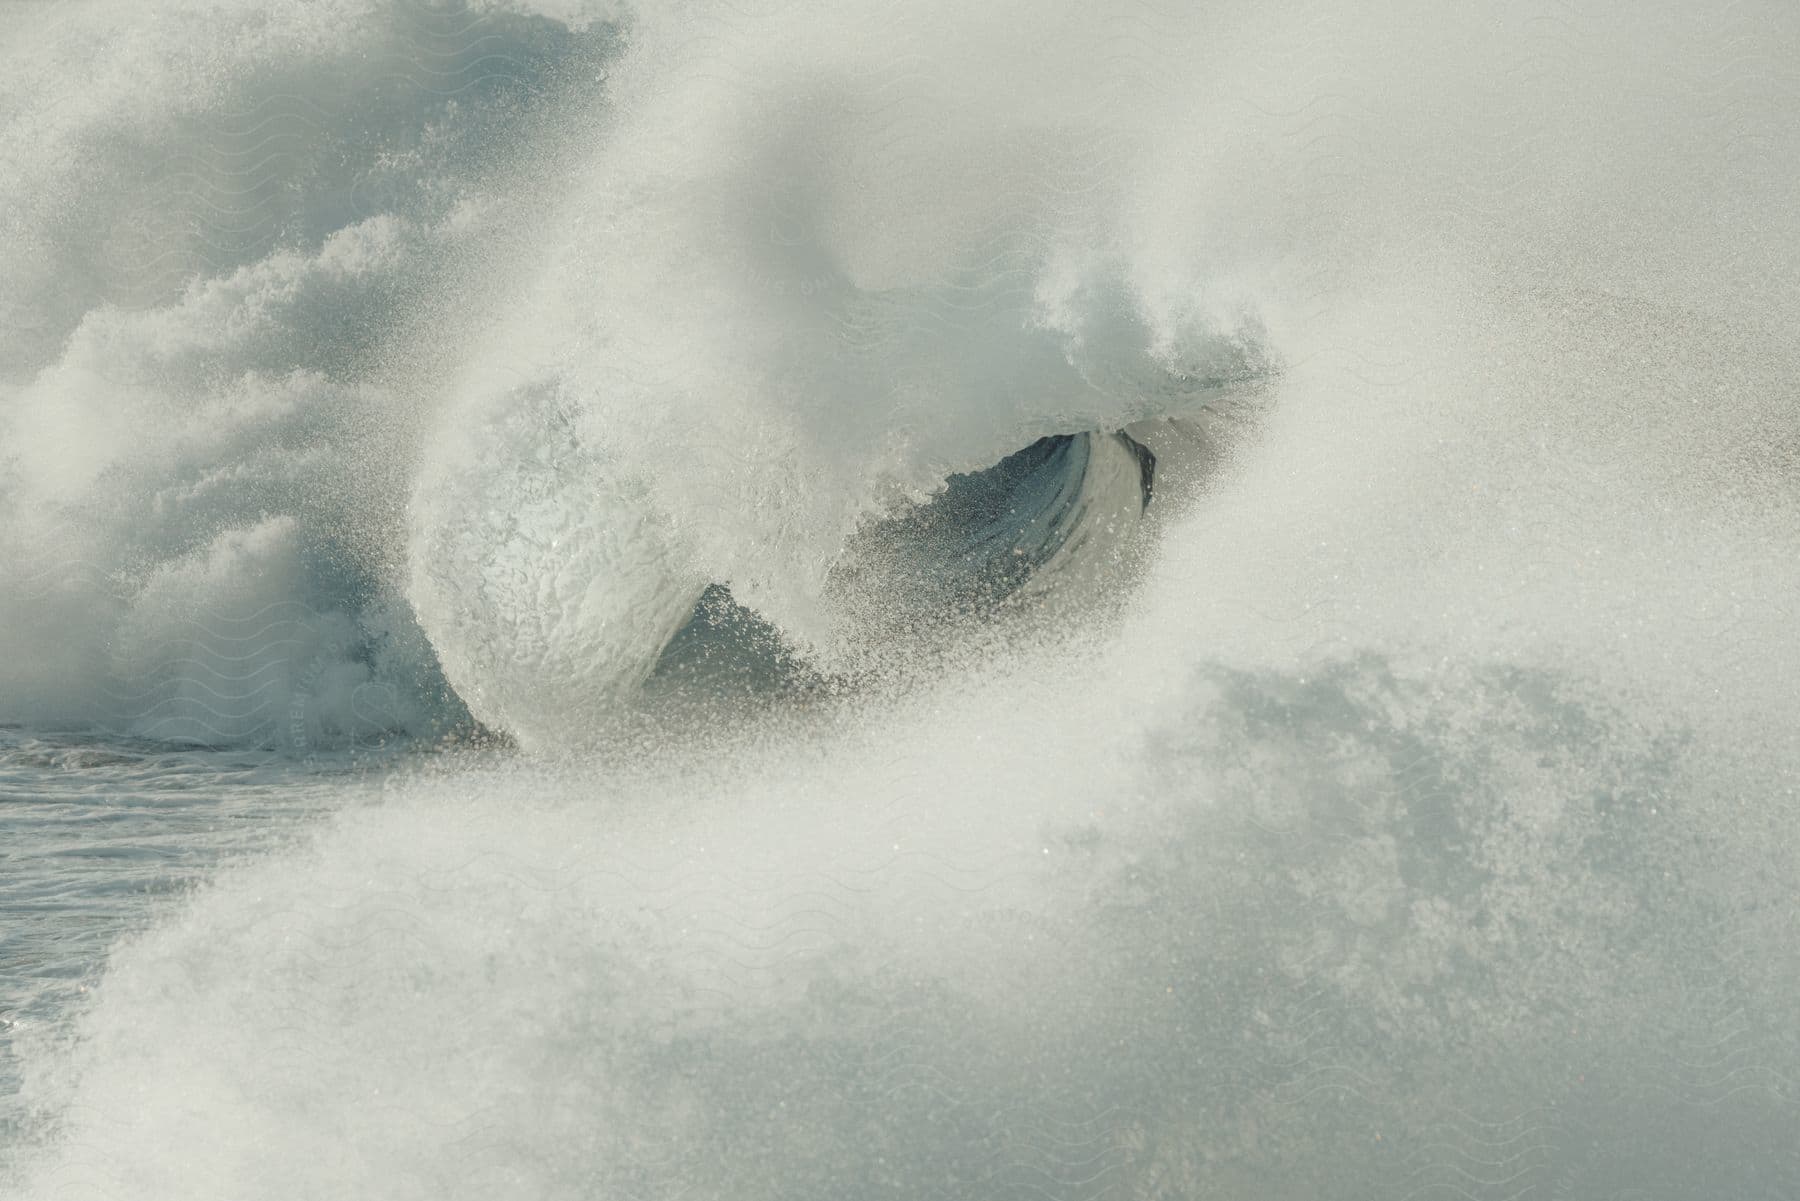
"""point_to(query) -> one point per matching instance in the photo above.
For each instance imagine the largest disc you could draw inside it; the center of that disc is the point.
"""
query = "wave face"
(1408, 811)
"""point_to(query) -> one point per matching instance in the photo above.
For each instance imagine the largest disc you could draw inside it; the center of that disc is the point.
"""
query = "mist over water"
(1403, 807)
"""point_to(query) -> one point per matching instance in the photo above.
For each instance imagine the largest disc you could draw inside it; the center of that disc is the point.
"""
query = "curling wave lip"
(1045, 518)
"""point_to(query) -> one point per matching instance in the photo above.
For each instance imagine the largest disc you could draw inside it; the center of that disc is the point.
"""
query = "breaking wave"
(1079, 599)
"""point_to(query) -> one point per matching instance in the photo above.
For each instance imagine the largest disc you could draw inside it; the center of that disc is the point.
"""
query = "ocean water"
(585, 611)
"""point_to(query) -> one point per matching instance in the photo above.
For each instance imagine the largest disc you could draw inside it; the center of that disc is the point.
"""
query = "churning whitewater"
(853, 600)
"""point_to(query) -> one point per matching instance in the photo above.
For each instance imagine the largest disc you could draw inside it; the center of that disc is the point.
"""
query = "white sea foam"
(1420, 819)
